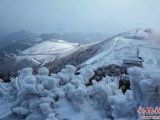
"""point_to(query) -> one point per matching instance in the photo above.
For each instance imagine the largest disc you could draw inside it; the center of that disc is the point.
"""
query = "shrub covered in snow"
(65, 96)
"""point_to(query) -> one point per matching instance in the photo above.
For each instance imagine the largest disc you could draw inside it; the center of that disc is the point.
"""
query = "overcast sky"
(107, 16)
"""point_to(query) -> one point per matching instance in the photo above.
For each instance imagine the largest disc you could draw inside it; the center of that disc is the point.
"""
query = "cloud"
(79, 15)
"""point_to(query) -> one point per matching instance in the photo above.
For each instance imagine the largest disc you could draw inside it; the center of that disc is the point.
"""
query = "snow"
(45, 108)
(41, 96)
(5, 107)
(120, 48)
(47, 50)
(65, 96)
(136, 75)
(20, 110)
(86, 74)
(50, 83)
(133, 58)
(43, 71)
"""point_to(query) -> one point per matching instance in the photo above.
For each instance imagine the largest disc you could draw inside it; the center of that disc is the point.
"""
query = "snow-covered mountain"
(67, 94)
(110, 51)
(143, 34)
(122, 48)
(47, 51)
(114, 50)
(38, 55)
(14, 42)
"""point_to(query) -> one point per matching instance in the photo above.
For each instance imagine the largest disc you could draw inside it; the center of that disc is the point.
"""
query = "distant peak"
(62, 41)
(140, 33)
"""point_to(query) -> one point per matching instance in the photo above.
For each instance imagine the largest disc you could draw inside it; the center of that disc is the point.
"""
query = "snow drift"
(65, 96)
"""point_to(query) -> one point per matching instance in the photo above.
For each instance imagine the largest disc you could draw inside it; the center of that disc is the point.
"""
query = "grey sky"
(108, 16)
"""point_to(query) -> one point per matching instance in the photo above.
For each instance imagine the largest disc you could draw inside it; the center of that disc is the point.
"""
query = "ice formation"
(64, 96)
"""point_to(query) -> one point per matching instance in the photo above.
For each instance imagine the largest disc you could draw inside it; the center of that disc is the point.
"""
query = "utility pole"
(60, 37)
(60, 33)
(138, 51)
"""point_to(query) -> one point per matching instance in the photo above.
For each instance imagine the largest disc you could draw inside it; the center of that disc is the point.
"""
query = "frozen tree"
(45, 108)
(150, 90)
(67, 74)
(99, 95)
(43, 71)
(25, 72)
(50, 83)
(20, 110)
(136, 75)
(87, 73)
(65, 95)
(51, 116)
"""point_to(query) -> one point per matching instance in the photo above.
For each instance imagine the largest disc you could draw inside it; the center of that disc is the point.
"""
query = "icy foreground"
(64, 96)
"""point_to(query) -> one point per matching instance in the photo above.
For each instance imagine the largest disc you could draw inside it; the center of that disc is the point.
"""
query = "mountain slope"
(18, 41)
(66, 95)
(37, 55)
(113, 51)
(56, 54)
(48, 50)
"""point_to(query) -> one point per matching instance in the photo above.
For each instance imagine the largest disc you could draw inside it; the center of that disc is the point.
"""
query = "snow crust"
(65, 96)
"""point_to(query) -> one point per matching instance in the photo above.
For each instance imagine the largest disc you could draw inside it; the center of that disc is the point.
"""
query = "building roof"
(133, 58)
